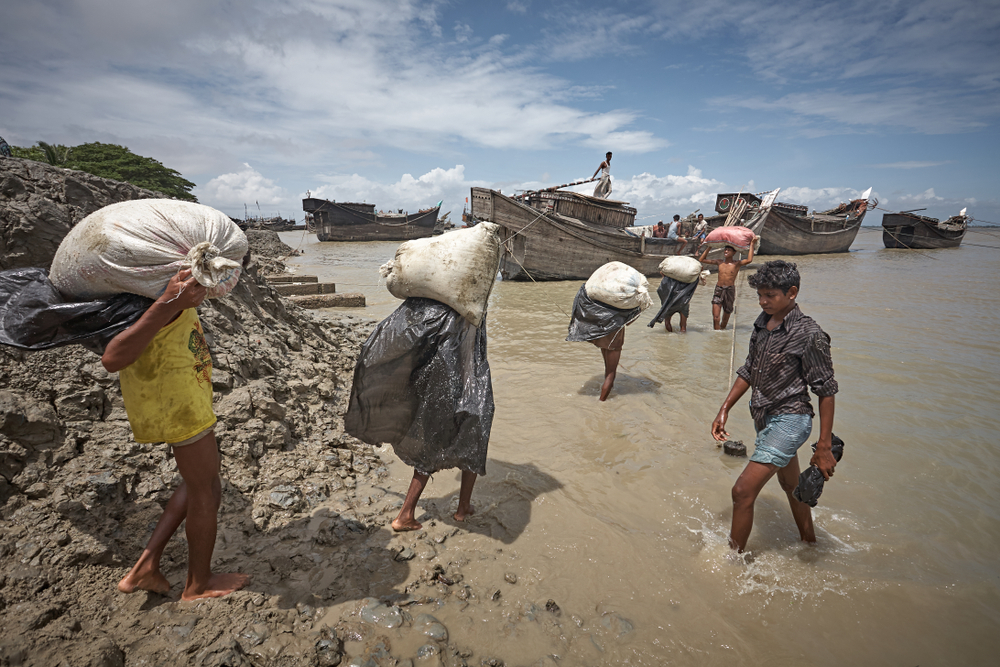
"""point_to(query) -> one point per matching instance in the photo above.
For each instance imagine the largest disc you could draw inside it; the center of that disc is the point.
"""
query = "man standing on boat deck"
(603, 189)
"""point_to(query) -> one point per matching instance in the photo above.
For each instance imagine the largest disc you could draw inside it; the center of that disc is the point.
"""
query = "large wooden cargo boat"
(567, 235)
(789, 229)
(909, 230)
(354, 221)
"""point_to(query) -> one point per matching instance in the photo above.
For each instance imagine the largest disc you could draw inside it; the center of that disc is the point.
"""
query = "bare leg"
(465, 508)
(716, 313)
(684, 323)
(666, 323)
(788, 477)
(198, 464)
(145, 575)
(611, 359)
(406, 519)
(745, 492)
(725, 320)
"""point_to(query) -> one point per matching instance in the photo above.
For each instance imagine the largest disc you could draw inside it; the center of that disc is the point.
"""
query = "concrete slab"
(356, 300)
(288, 289)
(275, 280)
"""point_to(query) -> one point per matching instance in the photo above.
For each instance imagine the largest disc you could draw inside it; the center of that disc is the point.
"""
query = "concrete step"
(330, 300)
(289, 289)
(276, 280)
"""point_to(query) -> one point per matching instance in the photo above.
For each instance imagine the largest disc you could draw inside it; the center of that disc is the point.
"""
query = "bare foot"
(684, 330)
(154, 582)
(401, 526)
(461, 515)
(670, 329)
(218, 586)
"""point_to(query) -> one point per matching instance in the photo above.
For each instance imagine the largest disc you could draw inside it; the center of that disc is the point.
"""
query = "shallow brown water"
(621, 510)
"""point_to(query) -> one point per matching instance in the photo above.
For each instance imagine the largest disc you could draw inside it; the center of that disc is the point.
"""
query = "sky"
(403, 103)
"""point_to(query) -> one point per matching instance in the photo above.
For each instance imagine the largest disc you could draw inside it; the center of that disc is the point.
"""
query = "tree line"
(111, 161)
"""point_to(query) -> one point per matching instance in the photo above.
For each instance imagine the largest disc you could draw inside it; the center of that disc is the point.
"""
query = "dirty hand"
(183, 291)
(719, 426)
(823, 459)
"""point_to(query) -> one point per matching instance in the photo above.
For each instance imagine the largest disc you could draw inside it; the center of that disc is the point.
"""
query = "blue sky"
(403, 103)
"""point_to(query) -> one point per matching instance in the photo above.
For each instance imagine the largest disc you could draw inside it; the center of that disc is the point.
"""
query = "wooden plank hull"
(539, 245)
(917, 233)
(786, 234)
(358, 222)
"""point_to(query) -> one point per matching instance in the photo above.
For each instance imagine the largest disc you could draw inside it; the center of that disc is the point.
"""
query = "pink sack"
(738, 237)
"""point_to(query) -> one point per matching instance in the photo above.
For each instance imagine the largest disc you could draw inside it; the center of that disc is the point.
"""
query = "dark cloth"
(35, 316)
(675, 297)
(811, 481)
(784, 364)
(422, 383)
(592, 320)
(725, 296)
(5, 148)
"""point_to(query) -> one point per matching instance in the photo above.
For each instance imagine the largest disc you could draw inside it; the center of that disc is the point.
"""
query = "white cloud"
(247, 186)
(519, 6)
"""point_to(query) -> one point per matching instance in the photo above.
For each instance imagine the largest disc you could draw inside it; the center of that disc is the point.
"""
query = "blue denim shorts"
(780, 438)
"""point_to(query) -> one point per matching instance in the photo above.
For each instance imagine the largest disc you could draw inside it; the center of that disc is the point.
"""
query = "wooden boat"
(549, 235)
(354, 221)
(789, 229)
(908, 230)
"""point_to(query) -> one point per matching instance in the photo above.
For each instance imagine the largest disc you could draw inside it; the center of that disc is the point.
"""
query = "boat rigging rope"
(736, 310)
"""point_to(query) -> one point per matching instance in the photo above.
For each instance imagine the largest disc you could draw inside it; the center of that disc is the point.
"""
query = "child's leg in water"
(465, 508)
(406, 519)
(611, 359)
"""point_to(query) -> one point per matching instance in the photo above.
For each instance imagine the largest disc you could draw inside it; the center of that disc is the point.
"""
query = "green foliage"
(112, 161)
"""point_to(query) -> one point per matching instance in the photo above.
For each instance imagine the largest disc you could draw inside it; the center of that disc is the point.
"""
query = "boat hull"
(786, 234)
(916, 233)
(539, 245)
(358, 222)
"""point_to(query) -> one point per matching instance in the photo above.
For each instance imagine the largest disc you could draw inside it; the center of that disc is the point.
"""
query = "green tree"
(115, 162)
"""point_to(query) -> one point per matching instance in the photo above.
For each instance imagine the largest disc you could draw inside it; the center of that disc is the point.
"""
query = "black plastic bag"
(592, 319)
(35, 316)
(673, 295)
(422, 384)
(811, 480)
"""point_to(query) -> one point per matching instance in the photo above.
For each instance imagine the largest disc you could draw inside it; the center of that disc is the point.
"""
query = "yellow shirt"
(168, 389)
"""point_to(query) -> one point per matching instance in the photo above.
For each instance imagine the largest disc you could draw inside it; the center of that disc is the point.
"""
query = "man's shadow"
(502, 500)
(624, 384)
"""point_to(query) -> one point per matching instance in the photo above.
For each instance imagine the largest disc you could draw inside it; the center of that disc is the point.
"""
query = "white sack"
(138, 246)
(682, 268)
(458, 269)
(620, 286)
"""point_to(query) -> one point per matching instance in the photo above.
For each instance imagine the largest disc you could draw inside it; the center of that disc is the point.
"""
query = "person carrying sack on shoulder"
(165, 371)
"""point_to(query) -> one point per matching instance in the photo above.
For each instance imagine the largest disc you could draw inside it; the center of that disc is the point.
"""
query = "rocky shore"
(305, 507)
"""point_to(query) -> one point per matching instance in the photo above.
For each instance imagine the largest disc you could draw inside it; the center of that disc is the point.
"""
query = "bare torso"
(727, 273)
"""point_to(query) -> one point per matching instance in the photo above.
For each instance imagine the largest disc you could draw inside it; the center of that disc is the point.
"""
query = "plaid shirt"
(784, 364)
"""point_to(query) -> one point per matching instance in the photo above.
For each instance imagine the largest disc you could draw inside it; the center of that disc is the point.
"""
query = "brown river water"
(620, 511)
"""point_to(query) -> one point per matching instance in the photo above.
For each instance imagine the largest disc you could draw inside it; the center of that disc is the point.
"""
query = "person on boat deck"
(673, 234)
(700, 228)
(659, 231)
(603, 189)
(724, 299)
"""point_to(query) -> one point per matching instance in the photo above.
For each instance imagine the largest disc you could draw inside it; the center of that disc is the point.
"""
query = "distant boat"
(789, 229)
(552, 235)
(908, 230)
(354, 221)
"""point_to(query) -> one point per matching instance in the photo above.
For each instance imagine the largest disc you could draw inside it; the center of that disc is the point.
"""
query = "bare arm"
(740, 387)
(707, 261)
(599, 167)
(823, 458)
(182, 292)
(750, 255)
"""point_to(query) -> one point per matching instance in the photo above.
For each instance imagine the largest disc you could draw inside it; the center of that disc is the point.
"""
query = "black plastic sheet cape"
(35, 316)
(422, 384)
(673, 295)
(811, 479)
(592, 319)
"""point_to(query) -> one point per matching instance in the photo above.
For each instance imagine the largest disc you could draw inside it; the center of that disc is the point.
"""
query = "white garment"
(603, 188)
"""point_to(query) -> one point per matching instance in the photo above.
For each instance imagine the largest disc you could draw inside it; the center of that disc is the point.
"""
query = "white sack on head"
(620, 286)
(458, 269)
(138, 246)
(681, 268)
